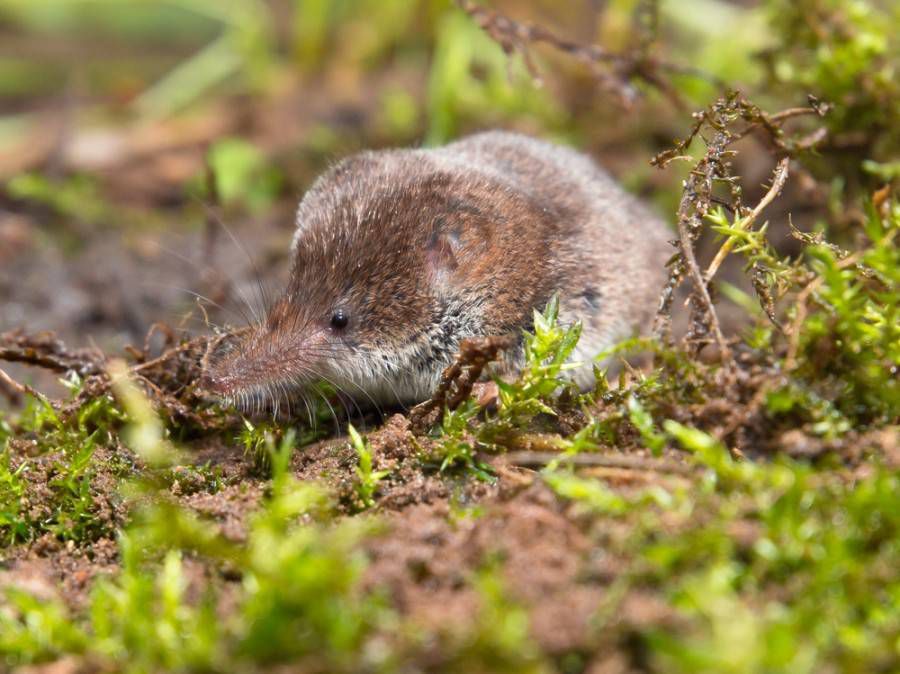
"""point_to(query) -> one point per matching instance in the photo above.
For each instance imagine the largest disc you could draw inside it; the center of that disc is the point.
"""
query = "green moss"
(62, 456)
(845, 53)
(367, 478)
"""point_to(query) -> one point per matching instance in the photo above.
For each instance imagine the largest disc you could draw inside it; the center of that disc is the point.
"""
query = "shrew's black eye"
(339, 319)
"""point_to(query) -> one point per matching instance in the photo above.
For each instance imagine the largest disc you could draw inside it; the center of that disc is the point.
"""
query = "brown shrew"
(399, 255)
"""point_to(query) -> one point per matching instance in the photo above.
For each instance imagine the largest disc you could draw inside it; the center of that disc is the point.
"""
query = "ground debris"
(612, 460)
(45, 350)
(622, 74)
(458, 379)
(169, 380)
(727, 120)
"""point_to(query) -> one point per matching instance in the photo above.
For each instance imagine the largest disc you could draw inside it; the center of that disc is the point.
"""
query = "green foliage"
(643, 421)
(145, 434)
(845, 53)
(75, 197)
(592, 493)
(35, 629)
(399, 114)
(845, 327)
(253, 438)
(470, 78)
(143, 617)
(375, 25)
(885, 171)
(62, 462)
(258, 442)
(242, 174)
(499, 639)
(12, 487)
(5, 429)
(850, 341)
(302, 597)
(539, 386)
(300, 579)
(264, 441)
(814, 544)
(73, 515)
(543, 378)
(241, 52)
(759, 606)
(280, 461)
(632, 405)
(299, 598)
(457, 443)
(725, 38)
(101, 413)
(368, 478)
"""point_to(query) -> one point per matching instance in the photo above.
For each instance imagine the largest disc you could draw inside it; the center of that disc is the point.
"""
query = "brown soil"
(440, 532)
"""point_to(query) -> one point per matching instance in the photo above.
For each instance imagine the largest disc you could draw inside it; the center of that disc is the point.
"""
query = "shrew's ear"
(442, 249)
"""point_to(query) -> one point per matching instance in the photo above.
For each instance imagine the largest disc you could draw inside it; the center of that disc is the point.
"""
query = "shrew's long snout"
(218, 375)
(217, 382)
(226, 375)
(262, 363)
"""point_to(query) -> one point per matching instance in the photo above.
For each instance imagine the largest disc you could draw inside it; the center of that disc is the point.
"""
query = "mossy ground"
(727, 501)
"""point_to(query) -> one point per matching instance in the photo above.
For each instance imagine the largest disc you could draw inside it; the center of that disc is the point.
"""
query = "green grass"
(61, 456)
(768, 566)
(367, 477)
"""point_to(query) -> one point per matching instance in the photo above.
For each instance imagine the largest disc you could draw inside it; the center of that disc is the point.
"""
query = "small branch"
(779, 179)
(45, 351)
(811, 140)
(528, 459)
(771, 124)
(458, 379)
(783, 115)
(169, 379)
(714, 169)
(790, 360)
(687, 252)
(23, 389)
(166, 355)
(614, 70)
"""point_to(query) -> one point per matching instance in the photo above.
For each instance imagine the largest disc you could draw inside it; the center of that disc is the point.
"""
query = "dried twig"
(615, 71)
(778, 180)
(169, 380)
(697, 198)
(166, 356)
(790, 360)
(530, 459)
(18, 387)
(772, 125)
(458, 379)
(688, 224)
(45, 351)
(693, 207)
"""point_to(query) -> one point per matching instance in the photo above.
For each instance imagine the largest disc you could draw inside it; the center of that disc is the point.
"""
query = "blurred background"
(152, 152)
